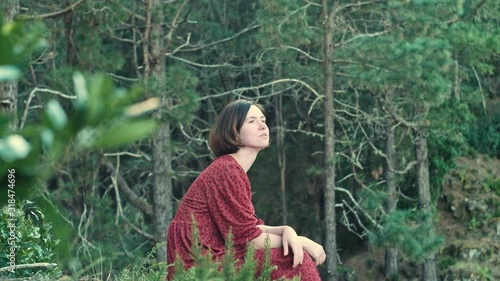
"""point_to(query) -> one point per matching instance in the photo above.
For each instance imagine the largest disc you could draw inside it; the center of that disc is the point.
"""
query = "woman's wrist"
(287, 228)
(304, 241)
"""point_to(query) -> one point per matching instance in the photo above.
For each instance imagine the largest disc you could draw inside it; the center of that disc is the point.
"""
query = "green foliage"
(143, 271)
(33, 243)
(99, 118)
(346, 273)
(449, 124)
(485, 273)
(446, 262)
(410, 231)
(205, 268)
(283, 24)
(15, 47)
(373, 201)
(181, 93)
(484, 134)
(492, 184)
(474, 224)
(98, 115)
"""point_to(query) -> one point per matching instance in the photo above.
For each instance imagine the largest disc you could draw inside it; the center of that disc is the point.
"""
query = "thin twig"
(30, 97)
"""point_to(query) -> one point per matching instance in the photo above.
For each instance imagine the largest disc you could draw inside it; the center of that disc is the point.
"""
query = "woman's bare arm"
(280, 236)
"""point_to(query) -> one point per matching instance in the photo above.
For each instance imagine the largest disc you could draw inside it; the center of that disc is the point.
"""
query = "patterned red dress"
(220, 200)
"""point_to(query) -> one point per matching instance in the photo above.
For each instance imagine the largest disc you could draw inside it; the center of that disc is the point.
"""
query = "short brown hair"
(223, 138)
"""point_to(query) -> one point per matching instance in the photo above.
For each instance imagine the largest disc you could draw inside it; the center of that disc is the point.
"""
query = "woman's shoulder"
(225, 162)
(222, 166)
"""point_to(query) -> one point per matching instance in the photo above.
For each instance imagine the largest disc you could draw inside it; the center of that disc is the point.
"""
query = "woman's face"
(254, 132)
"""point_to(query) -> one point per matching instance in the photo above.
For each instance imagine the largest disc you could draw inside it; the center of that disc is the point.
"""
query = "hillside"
(469, 219)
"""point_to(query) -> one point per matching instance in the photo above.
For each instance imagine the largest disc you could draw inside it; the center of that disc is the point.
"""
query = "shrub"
(207, 269)
(23, 228)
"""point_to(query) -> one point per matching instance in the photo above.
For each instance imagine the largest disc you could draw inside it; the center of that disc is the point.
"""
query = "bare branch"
(202, 65)
(307, 133)
(220, 41)
(399, 119)
(145, 41)
(349, 194)
(181, 46)
(120, 39)
(138, 230)
(51, 15)
(304, 53)
(30, 97)
(135, 15)
(84, 218)
(350, 226)
(255, 88)
(408, 167)
(138, 202)
(30, 265)
(480, 88)
(355, 4)
(137, 155)
(174, 25)
(375, 34)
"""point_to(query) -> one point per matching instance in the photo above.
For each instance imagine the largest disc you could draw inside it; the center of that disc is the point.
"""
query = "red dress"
(220, 199)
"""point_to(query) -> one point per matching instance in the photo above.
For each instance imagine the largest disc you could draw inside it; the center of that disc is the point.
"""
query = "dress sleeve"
(230, 205)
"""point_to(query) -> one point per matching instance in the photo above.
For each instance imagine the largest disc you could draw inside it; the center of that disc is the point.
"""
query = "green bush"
(26, 239)
(485, 135)
(410, 231)
(492, 184)
(205, 268)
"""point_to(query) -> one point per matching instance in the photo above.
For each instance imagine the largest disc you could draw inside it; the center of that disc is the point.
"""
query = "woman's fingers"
(316, 251)
(298, 255)
(285, 247)
(321, 259)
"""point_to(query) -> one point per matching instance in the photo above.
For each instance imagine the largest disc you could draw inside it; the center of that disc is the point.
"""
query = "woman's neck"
(245, 158)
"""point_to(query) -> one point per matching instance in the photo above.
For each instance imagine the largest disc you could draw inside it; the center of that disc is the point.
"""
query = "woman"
(220, 200)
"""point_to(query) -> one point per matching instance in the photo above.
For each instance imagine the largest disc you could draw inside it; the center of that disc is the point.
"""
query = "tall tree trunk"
(162, 189)
(280, 142)
(330, 227)
(391, 254)
(8, 90)
(424, 196)
(154, 60)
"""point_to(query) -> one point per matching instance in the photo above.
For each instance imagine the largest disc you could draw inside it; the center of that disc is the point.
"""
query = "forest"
(384, 118)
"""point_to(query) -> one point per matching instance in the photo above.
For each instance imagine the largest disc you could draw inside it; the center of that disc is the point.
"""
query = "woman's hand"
(291, 240)
(314, 249)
